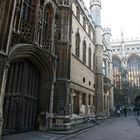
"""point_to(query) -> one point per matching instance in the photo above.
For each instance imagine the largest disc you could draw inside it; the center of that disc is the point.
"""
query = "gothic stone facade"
(51, 65)
(126, 71)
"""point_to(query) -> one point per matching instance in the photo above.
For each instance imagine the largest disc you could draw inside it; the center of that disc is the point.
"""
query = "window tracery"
(24, 20)
(134, 71)
(117, 74)
(47, 27)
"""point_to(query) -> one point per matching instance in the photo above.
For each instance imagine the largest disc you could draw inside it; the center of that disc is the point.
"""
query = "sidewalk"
(51, 135)
(75, 129)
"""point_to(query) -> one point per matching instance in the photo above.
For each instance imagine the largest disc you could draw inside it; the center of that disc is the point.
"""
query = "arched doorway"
(20, 106)
(28, 91)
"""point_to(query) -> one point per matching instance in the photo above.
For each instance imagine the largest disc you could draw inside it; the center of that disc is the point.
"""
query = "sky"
(121, 15)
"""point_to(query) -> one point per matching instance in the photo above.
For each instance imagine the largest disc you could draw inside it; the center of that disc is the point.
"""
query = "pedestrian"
(134, 110)
(125, 111)
(137, 109)
(118, 112)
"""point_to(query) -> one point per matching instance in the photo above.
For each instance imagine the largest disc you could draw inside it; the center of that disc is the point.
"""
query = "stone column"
(5, 74)
(51, 107)
(71, 101)
(111, 99)
(99, 105)
(87, 96)
(35, 39)
(51, 115)
(11, 26)
(91, 104)
(80, 103)
(107, 74)
(106, 103)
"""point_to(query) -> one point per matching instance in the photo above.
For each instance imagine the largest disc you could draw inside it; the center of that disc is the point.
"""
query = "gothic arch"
(133, 55)
(117, 72)
(133, 60)
(37, 55)
(77, 44)
(116, 56)
(84, 51)
(34, 65)
(116, 61)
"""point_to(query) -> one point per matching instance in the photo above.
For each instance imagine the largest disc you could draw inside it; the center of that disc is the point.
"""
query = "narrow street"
(115, 129)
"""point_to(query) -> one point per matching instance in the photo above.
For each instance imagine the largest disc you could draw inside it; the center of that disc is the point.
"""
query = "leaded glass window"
(134, 71)
(117, 73)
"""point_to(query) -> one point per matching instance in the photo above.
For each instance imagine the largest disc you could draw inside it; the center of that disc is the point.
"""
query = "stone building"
(126, 71)
(55, 64)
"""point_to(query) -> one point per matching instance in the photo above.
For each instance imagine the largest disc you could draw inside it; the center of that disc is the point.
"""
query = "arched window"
(94, 35)
(134, 71)
(117, 72)
(77, 45)
(78, 12)
(47, 27)
(24, 19)
(84, 51)
(94, 61)
(27, 10)
(104, 67)
(84, 23)
(89, 57)
(89, 30)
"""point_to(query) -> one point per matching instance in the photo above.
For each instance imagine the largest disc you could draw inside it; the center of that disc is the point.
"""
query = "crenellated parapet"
(107, 31)
(95, 3)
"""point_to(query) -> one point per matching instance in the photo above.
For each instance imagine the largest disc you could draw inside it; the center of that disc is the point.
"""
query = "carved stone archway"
(36, 60)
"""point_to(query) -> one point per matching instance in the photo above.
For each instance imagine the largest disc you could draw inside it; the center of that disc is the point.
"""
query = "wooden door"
(21, 97)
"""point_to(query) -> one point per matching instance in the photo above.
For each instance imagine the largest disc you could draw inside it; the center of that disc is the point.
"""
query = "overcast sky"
(121, 14)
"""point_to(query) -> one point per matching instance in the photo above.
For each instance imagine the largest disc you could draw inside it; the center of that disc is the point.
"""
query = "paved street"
(35, 135)
(115, 129)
